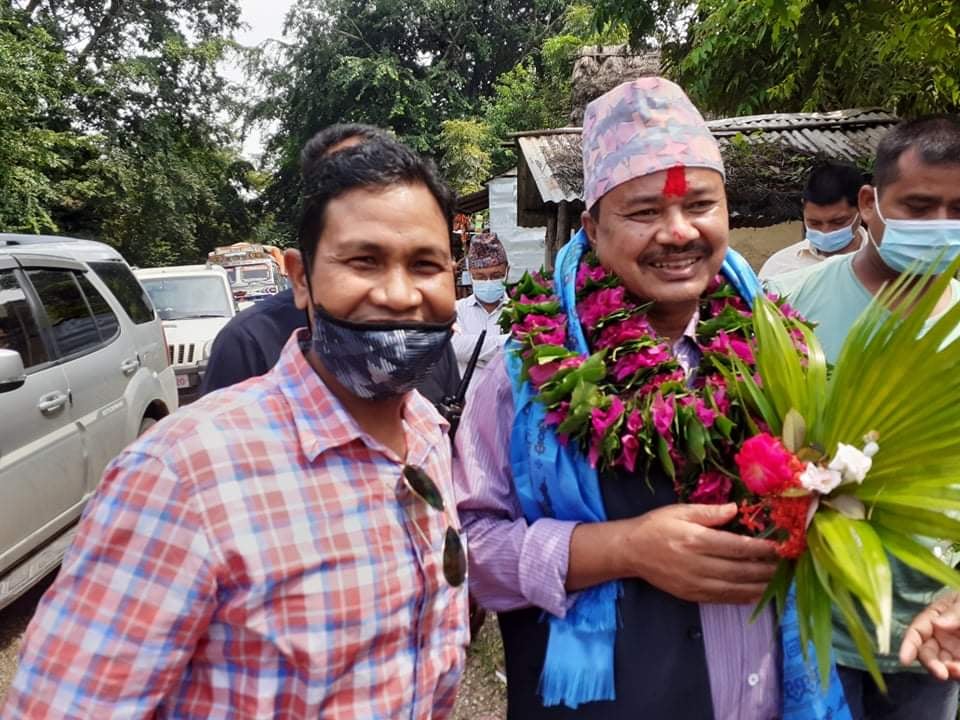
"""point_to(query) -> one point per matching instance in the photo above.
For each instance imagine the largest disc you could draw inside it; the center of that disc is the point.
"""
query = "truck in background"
(255, 271)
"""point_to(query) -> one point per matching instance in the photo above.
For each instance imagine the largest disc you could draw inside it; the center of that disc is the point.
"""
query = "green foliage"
(407, 66)
(466, 148)
(106, 131)
(32, 152)
(799, 55)
(536, 92)
(876, 393)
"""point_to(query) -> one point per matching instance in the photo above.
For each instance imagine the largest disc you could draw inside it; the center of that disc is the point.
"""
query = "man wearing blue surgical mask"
(487, 261)
(912, 215)
(831, 220)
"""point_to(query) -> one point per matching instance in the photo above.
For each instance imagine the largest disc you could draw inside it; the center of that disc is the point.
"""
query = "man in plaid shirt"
(287, 547)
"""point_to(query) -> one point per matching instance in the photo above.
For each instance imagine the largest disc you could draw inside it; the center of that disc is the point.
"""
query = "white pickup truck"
(194, 302)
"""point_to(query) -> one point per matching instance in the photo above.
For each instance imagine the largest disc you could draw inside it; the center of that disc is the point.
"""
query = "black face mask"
(376, 361)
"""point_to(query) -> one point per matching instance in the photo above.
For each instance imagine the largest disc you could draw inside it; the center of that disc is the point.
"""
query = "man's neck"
(874, 275)
(381, 419)
(489, 307)
(671, 320)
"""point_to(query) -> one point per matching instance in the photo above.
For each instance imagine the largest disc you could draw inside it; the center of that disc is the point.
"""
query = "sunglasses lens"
(454, 558)
(422, 486)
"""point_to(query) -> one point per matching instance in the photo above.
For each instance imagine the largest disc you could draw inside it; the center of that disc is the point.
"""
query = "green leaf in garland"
(663, 454)
(724, 425)
(696, 440)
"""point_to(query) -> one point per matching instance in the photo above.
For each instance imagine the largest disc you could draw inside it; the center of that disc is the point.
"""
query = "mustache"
(694, 247)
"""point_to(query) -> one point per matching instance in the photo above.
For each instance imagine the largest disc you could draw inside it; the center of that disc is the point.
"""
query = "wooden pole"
(550, 242)
(563, 224)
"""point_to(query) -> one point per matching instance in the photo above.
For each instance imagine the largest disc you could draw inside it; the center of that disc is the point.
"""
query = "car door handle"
(52, 401)
(129, 367)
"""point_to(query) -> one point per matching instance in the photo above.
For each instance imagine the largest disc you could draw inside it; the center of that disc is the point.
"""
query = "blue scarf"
(555, 480)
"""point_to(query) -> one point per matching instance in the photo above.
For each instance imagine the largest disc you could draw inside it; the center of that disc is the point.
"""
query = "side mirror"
(12, 375)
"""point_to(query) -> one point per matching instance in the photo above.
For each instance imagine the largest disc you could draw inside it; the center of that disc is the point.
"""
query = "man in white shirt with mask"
(831, 220)
(488, 266)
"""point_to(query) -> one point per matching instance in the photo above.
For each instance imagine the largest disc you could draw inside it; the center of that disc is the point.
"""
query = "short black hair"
(327, 139)
(379, 162)
(935, 137)
(831, 182)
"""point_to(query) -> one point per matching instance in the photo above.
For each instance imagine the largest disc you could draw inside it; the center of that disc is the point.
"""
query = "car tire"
(146, 424)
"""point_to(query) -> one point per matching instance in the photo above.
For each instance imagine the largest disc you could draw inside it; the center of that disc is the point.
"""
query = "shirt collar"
(321, 421)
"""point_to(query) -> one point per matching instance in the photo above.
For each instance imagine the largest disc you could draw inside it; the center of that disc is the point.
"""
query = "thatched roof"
(767, 158)
(601, 68)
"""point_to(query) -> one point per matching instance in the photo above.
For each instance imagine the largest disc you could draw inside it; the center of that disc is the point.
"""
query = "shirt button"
(753, 679)
(694, 633)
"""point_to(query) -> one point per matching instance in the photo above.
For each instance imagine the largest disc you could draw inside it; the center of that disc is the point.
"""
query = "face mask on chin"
(917, 245)
(378, 361)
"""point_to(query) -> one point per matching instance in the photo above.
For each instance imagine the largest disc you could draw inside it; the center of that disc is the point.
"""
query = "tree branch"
(108, 19)
(31, 7)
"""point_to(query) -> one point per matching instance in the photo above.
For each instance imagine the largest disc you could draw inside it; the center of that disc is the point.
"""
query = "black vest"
(659, 663)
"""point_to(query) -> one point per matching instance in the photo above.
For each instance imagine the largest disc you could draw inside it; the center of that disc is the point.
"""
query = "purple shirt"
(515, 564)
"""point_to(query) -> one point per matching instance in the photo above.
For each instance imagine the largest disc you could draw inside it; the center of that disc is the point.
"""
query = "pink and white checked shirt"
(254, 556)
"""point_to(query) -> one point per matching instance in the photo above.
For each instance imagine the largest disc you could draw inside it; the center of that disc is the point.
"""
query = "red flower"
(713, 488)
(599, 304)
(766, 466)
(586, 272)
(633, 328)
(558, 414)
(640, 360)
(789, 514)
(628, 457)
(663, 412)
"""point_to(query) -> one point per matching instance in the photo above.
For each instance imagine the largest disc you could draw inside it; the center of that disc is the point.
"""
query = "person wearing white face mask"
(487, 260)
(912, 216)
(831, 220)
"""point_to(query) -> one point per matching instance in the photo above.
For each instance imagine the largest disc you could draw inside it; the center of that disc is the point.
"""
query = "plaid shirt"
(254, 556)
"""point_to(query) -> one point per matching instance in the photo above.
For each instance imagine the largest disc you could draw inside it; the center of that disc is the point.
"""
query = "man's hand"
(678, 549)
(933, 638)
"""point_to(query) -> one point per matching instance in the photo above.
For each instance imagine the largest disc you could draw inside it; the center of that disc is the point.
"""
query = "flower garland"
(631, 403)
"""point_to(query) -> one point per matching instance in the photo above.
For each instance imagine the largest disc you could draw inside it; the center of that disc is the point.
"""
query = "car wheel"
(146, 424)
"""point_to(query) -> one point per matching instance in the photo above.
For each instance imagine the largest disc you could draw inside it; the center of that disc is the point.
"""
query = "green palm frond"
(897, 378)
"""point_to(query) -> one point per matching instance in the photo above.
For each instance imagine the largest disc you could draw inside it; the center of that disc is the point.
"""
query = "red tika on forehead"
(676, 183)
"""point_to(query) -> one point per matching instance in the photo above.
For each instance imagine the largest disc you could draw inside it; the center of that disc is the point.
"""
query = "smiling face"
(664, 235)
(383, 255)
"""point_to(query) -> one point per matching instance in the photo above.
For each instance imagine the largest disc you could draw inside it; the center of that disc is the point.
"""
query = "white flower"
(851, 463)
(871, 449)
(818, 479)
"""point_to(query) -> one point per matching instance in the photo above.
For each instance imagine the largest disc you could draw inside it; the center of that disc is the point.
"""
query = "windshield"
(178, 298)
(256, 273)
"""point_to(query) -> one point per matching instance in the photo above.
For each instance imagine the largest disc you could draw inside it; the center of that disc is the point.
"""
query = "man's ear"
(867, 202)
(297, 272)
(589, 227)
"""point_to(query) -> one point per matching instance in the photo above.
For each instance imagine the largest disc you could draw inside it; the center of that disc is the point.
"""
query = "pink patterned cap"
(642, 127)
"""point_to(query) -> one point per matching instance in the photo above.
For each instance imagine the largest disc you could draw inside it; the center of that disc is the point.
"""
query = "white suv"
(83, 371)
(194, 303)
